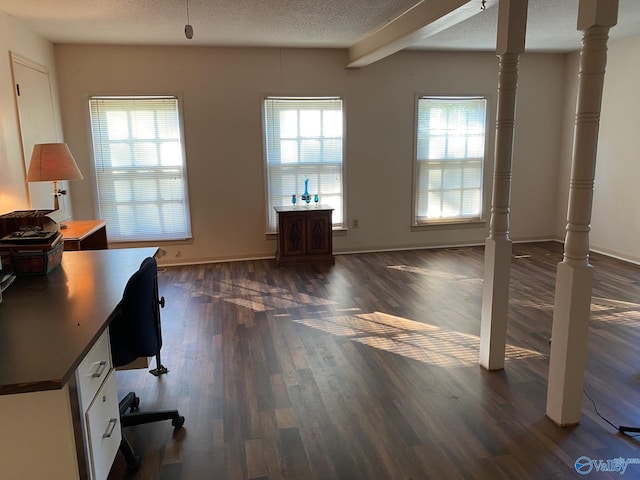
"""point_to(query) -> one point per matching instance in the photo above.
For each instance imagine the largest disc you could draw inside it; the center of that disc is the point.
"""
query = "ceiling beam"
(424, 19)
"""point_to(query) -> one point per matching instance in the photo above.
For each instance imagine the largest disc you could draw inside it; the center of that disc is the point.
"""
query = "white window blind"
(140, 168)
(304, 139)
(450, 146)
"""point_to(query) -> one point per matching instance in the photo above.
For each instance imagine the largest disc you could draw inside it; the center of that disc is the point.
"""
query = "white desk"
(51, 328)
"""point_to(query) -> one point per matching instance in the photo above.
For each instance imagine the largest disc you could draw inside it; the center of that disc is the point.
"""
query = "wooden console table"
(85, 235)
(304, 235)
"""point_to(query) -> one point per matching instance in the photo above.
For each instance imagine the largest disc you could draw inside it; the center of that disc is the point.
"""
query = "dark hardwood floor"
(369, 370)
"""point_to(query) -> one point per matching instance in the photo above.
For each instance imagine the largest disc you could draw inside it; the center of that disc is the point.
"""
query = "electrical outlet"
(355, 223)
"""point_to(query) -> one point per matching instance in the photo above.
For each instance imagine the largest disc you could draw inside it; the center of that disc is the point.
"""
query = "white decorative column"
(575, 275)
(512, 23)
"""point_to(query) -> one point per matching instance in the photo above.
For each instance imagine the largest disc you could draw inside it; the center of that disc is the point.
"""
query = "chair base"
(161, 370)
(133, 417)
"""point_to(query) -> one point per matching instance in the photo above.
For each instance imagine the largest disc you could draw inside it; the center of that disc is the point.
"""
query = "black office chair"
(135, 331)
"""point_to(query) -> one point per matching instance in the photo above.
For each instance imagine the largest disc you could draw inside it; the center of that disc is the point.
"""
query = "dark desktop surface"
(49, 322)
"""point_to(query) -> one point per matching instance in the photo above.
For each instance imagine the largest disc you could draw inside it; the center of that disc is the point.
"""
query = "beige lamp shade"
(51, 162)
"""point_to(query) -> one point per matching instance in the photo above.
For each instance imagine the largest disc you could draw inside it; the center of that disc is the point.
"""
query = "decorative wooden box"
(32, 255)
(37, 262)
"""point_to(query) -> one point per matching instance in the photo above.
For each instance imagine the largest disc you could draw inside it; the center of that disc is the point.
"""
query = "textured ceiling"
(551, 26)
(295, 23)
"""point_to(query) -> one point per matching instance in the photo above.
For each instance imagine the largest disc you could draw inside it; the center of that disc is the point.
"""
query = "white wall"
(222, 88)
(538, 146)
(616, 206)
(15, 38)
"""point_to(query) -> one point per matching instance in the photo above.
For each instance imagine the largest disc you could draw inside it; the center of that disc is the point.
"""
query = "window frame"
(269, 213)
(185, 181)
(450, 222)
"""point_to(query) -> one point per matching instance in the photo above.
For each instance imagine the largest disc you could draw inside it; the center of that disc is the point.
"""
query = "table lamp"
(52, 162)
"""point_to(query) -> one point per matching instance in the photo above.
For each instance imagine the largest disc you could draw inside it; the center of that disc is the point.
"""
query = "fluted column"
(574, 278)
(512, 21)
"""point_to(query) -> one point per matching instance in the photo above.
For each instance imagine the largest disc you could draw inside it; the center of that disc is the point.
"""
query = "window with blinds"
(303, 140)
(140, 168)
(449, 162)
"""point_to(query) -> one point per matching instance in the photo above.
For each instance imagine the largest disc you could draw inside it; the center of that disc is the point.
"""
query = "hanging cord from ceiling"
(188, 29)
(483, 5)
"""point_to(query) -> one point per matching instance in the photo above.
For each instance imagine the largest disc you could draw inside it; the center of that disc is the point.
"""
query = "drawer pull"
(101, 368)
(110, 428)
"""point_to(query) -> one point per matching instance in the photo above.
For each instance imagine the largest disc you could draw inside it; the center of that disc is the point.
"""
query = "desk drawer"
(93, 370)
(103, 428)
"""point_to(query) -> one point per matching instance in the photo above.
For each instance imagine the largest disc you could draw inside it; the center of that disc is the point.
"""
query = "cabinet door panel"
(318, 235)
(293, 235)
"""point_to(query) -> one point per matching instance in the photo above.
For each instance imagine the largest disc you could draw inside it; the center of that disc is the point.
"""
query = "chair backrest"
(134, 330)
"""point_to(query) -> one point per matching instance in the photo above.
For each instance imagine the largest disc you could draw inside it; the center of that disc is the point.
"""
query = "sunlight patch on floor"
(629, 319)
(418, 341)
(607, 310)
(433, 273)
(261, 297)
(532, 304)
(616, 312)
(262, 303)
(601, 303)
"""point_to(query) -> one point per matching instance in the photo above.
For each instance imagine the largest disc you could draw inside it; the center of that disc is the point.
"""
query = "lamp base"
(56, 194)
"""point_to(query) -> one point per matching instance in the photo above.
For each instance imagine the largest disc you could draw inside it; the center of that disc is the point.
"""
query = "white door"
(37, 121)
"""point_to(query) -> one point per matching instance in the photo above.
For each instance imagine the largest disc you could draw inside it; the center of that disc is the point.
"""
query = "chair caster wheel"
(133, 463)
(135, 404)
(178, 422)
